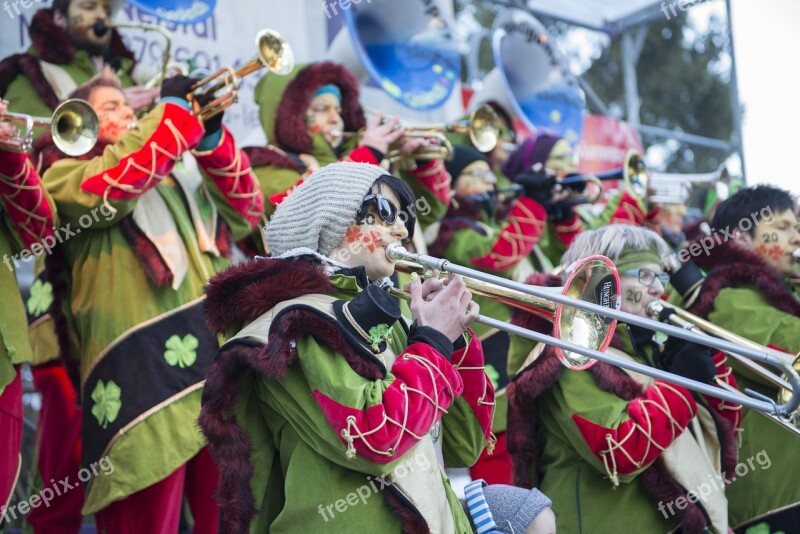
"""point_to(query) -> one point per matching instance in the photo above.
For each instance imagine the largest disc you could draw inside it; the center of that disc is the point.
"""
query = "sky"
(767, 41)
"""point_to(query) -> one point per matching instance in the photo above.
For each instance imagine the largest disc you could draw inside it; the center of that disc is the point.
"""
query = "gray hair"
(612, 240)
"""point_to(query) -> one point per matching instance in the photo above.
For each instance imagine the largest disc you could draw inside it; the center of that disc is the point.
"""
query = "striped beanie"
(316, 215)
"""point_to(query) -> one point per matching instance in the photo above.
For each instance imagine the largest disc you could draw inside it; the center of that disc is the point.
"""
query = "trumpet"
(73, 125)
(100, 29)
(661, 311)
(633, 172)
(274, 53)
(396, 252)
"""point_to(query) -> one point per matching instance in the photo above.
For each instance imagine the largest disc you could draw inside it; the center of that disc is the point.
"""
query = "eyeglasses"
(647, 277)
(386, 209)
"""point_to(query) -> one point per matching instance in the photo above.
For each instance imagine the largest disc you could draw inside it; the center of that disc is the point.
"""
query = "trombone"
(661, 311)
(274, 53)
(754, 400)
(633, 172)
(73, 125)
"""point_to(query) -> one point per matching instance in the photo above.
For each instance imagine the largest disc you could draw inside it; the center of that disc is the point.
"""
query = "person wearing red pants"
(152, 231)
(26, 221)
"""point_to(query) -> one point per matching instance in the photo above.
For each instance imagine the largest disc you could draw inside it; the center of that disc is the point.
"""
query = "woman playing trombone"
(577, 435)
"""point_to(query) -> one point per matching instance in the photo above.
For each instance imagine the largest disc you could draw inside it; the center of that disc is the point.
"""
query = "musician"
(148, 234)
(70, 43)
(537, 164)
(597, 438)
(326, 411)
(27, 220)
(749, 264)
(304, 120)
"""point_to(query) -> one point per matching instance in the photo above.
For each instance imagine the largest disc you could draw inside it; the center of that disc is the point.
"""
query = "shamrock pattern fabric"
(181, 352)
(107, 400)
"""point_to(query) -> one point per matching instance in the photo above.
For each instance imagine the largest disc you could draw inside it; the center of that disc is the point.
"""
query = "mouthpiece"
(396, 251)
(100, 28)
(796, 255)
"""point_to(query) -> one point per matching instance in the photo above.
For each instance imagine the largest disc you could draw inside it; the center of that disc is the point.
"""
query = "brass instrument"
(593, 280)
(100, 28)
(633, 172)
(482, 126)
(688, 321)
(274, 53)
(581, 324)
(73, 125)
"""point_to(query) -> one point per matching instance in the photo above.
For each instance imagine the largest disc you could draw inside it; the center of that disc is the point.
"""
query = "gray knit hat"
(315, 216)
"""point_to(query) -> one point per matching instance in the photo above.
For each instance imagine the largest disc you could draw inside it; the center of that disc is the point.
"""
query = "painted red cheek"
(315, 129)
(773, 252)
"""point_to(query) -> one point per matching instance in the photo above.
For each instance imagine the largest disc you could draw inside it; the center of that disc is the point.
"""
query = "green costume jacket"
(148, 234)
(592, 440)
(316, 433)
(746, 296)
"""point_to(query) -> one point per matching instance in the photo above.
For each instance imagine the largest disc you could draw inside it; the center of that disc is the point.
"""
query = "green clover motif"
(41, 298)
(378, 333)
(493, 375)
(107, 402)
(181, 352)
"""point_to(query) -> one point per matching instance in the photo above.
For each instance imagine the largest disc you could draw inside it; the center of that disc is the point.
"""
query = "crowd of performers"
(215, 322)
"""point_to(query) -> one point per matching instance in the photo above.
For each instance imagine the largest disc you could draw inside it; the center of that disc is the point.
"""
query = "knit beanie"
(507, 509)
(533, 150)
(463, 157)
(316, 215)
(632, 257)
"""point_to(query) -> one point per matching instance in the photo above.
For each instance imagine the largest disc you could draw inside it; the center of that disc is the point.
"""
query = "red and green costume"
(298, 416)
(137, 273)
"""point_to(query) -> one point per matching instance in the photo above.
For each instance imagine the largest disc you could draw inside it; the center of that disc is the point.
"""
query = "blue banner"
(178, 11)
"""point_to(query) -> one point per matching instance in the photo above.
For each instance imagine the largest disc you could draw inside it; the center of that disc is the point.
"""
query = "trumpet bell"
(484, 130)
(75, 127)
(274, 52)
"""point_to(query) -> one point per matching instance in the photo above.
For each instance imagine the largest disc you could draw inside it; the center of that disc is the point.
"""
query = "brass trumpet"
(274, 53)
(396, 252)
(633, 172)
(73, 125)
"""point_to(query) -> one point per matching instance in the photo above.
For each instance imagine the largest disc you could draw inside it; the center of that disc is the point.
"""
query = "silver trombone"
(751, 399)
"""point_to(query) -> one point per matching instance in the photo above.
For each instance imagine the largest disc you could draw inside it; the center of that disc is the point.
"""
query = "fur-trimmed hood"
(249, 289)
(51, 43)
(729, 264)
(284, 100)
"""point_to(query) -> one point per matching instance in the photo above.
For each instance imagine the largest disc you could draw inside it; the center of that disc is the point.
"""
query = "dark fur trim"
(228, 442)
(731, 265)
(28, 66)
(148, 254)
(412, 522)
(290, 127)
(224, 239)
(248, 289)
(523, 419)
(261, 156)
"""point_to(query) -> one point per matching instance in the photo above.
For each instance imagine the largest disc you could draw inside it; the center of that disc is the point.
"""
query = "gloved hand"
(560, 212)
(177, 86)
(538, 186)
(688, 359)
(213, 124)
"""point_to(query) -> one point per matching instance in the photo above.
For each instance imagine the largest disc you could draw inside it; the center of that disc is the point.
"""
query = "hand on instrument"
(409, 145)
(139, 97)
(538, 186)
(6, 129)
(450, 309)
(380, 136)
(688, 359)
(177, 86)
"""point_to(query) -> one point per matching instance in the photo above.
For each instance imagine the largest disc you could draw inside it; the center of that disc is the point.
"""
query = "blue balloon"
(178, 11)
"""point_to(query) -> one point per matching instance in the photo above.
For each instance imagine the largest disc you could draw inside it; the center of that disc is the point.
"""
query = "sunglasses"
(385, 208)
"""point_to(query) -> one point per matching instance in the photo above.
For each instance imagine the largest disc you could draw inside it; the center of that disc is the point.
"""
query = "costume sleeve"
(623, 208)
(380, 420)
(566, 231)
(522, 229)
(235, 187)
(729, 410)
(468, 423)
(736, 308)
(125, 170)
(620, 438)
(430, 184)
(361, 154)
(25, 201)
